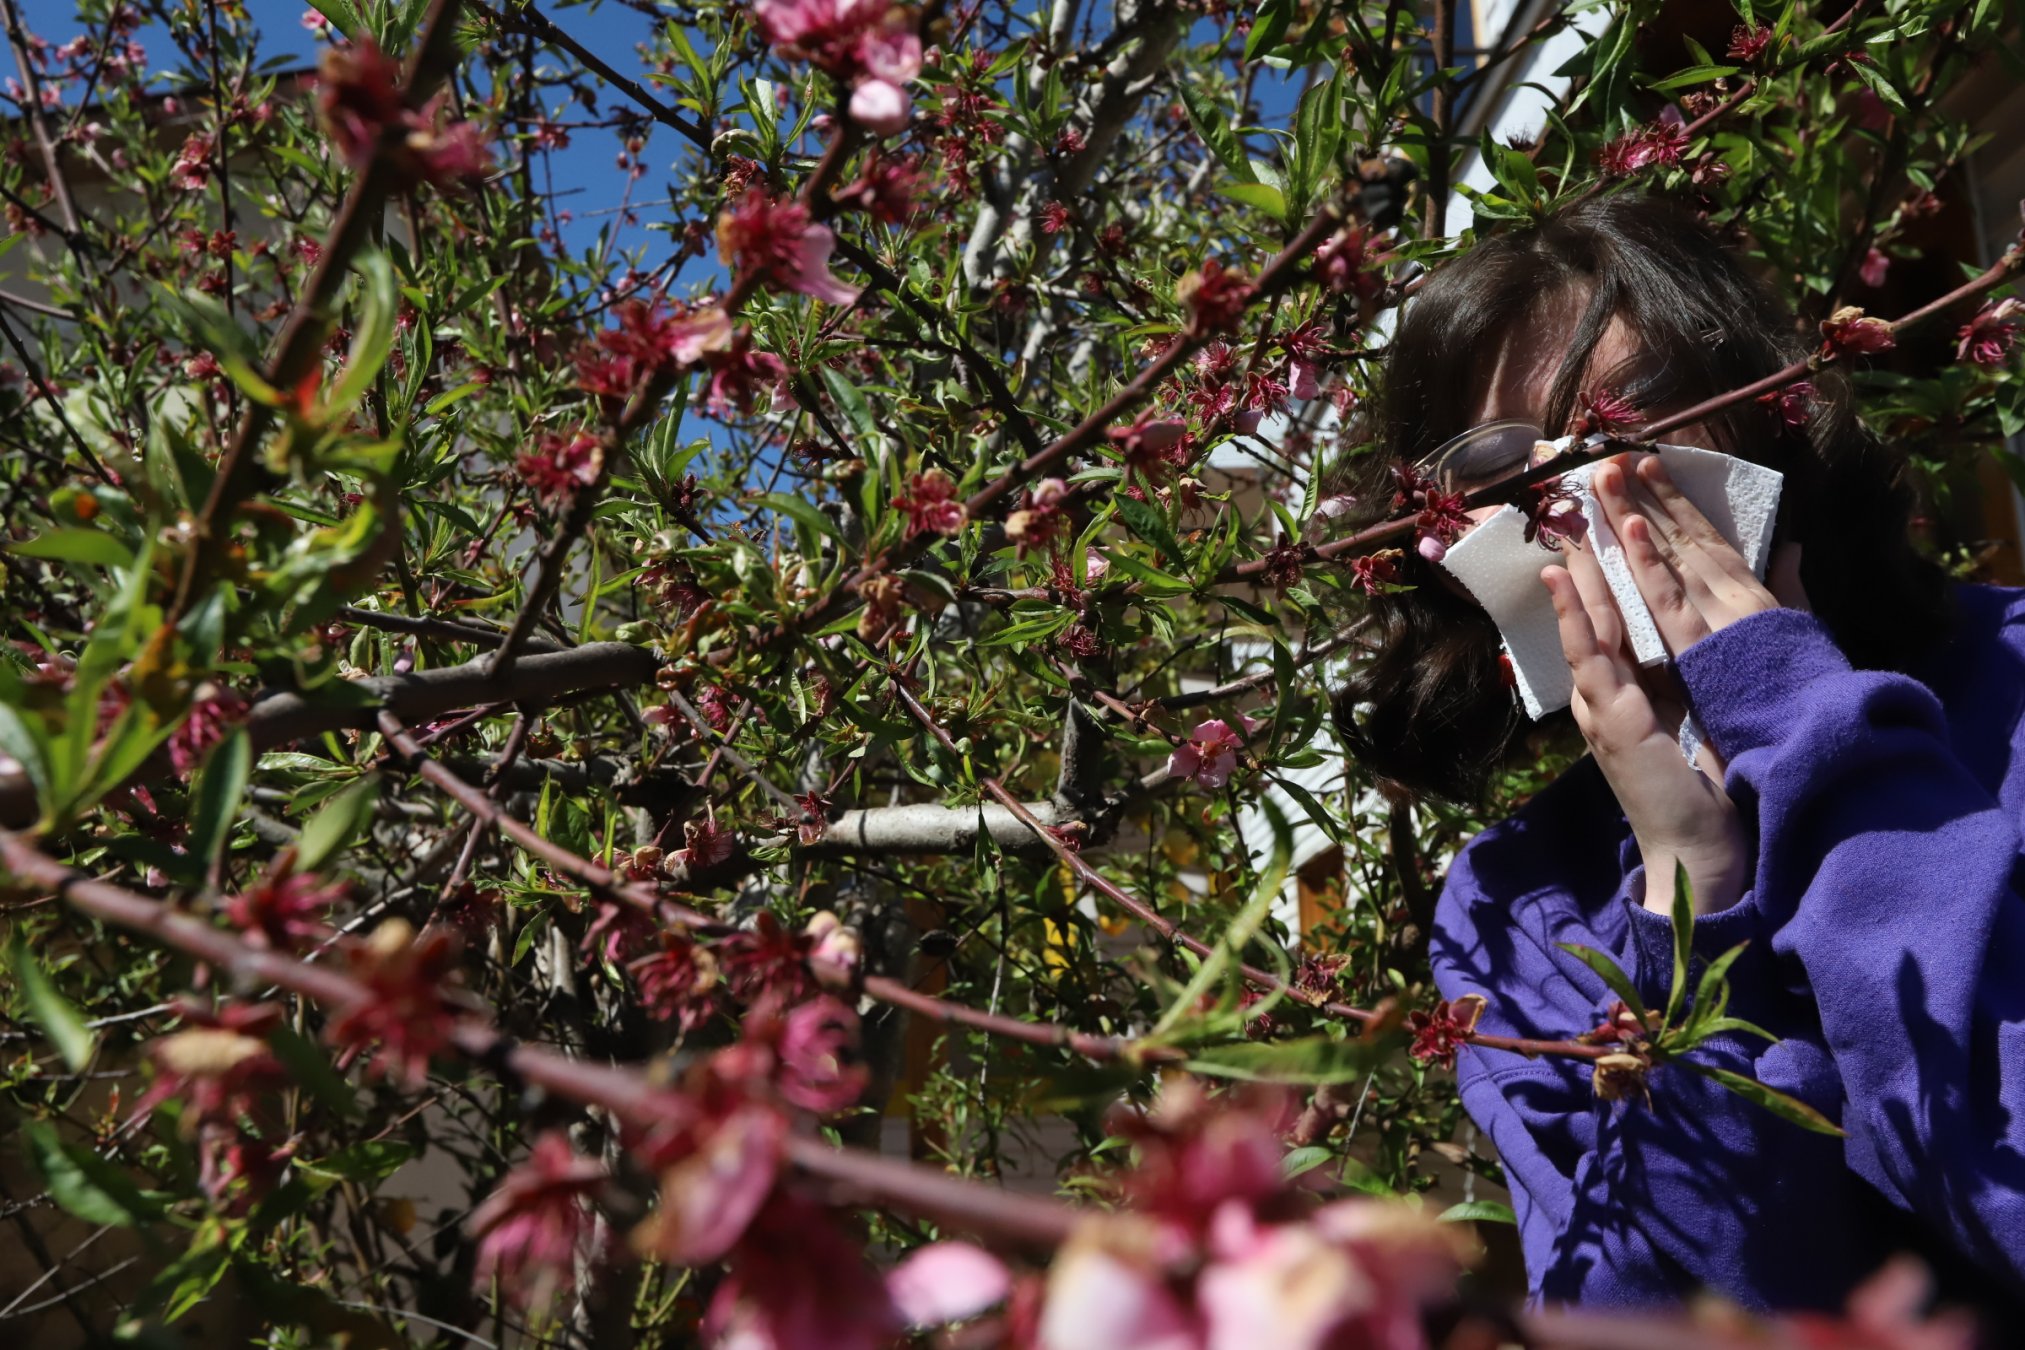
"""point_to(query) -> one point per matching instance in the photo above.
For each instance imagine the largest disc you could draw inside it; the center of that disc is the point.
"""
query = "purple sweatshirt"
(1886, 920)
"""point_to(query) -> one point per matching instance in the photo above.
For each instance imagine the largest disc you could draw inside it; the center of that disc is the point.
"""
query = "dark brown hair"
(1427, 711)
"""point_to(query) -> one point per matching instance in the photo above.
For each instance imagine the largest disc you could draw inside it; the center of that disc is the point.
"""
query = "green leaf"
(342, 16)
(368, 1162)
(85, 1184)
(1693, 75)
(76, 544)
(1478, 1211)
(1149, 524)
(1309, 1061)
(311, 1068)
(51, 1010)
(1712, 994)
(1215, 132)
(1619, 983)
(1773, 1100)
(26, 739)
(334, 824)
(1305, 1159)
(219, 792)
(1268, 26)
(1259, 196)
(802, 512)
(1242, 929)
(1683, 938)
(372, 340)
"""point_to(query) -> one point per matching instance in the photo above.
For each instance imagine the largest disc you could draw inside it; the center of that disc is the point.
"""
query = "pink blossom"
(1377, 573)
(1039, 519)
(285, 907)
(797, 1282)
(1284, 564)
(1749, 43)
(705, 843)
(557, 466)
(881, 107)
(885, 187)
(1792, 404)
(815, 1042)
(214, 711)
(1849, 331)
(1438, 1032)
(866, 44)
(1215, 297)
(1876, 264)
(217, 1066)
(1553, 514)
(1605, 411)
(192, 169)
(931, 504)
(677, 981)
(360, 102)
(738, 373)
(1054, 217)
(946, 1282)
(536, 1226)
(1986, 339)
(779, 242)
(1208, 756)
(1347, 262)
(1659, 144)
(403, 1012)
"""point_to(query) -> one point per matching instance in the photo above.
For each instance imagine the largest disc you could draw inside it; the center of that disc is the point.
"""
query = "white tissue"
(1502, 570)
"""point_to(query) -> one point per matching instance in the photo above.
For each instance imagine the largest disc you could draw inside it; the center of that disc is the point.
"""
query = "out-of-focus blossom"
(885, 187)
(1348, 262)
(360, 101)
(403, 1015)
(868, 45)
(285, 907)
(1876, 264)
(537, 1225)
(214, 711)
(1215, 297)
(1376, 573)
(556, 466)
(677, 980)
(781, 244)
(931, 504)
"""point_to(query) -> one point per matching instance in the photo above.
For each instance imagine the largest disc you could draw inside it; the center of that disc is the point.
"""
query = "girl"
(1855, 813)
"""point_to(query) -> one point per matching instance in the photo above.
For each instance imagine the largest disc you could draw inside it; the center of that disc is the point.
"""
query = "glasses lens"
(1482, 454)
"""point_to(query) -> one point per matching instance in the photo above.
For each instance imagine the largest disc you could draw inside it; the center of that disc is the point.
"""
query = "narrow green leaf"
(1479, 1211)
(1683, 938)
(342, 15)
(85, 1184)
(219, 791)
(334, 824)
(50, 1009)
(1268, 26)
(1215, 131)
(1712, 994)
(1773, 1100)
(76, 544)
(1259, 196)
(1619, 983)
(1309, 1061)
(1149, 524)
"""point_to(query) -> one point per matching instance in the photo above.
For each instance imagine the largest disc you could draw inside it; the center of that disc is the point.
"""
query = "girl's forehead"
(1529, 355)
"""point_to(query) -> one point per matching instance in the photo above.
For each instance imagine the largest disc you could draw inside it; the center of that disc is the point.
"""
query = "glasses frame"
(1427, 464)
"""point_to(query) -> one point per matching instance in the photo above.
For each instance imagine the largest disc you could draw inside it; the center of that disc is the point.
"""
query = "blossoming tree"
(621, 717)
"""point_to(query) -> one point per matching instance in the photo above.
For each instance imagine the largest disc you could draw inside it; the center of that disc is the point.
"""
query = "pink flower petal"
(881, 107)
(812, 275)
(947, 1282)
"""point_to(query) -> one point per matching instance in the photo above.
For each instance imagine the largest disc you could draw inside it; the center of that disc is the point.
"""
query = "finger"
(1593, 590)
(1679, 619)
(1694, 530)
(1596, 676)
(1623, 498)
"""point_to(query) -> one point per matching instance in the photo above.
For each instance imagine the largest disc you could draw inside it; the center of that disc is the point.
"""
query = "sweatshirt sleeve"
(1890, 875)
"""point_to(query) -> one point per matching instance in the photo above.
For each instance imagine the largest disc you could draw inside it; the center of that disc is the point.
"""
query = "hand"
(1694, 582)
(1631, 719)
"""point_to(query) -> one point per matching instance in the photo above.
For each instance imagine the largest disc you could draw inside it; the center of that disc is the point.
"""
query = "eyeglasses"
(1486, 452)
